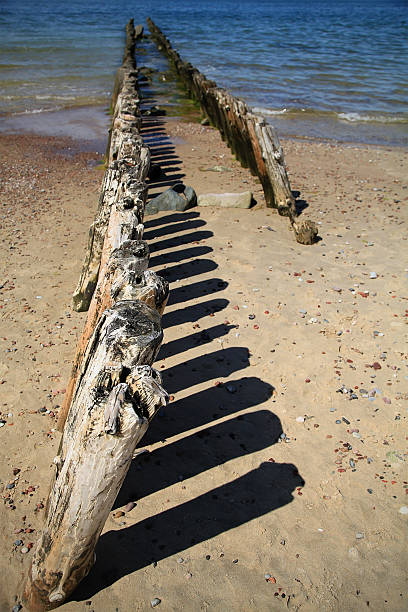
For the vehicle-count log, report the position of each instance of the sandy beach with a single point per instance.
(276, 477)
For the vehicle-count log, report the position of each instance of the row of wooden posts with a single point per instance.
(253, 141)
(113, 392)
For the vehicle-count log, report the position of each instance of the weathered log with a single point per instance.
(126, 278)
(116, 397)
(253, 141)
(128, 165)
(305, 231)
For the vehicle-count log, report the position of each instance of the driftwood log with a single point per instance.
(116, 396)
(113, 392)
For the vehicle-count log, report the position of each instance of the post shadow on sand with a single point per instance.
(171, 218)
(177, 256)
(163, 153)
(174, 228)
(199, 452)
(180, 345)
(259, 492)
(206, 406)
(221, 363)
(194, 312)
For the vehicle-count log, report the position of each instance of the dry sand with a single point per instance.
(259, 466)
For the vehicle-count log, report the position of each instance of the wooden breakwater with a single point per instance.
(254, 142)
(114, 392)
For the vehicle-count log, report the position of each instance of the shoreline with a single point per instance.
(260, 335)
(94, 121)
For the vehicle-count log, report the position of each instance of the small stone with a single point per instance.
(300, 419)
(267, 576)
(10, 485)
(155, 602)
(359, 536)
(356, 434)
(208, 557)
(338, 421)
(118, 514)
(373, 274)
(18, 542)
(24, 550)
(129, 506)
(16, 608)
(403, 510)
(352, 463)
(180, 560)
(345, 420)
(235, 561)
(282, 436)
(226, 200)
(16, 471)
(370, 491)
(231, 388)
(251, 317)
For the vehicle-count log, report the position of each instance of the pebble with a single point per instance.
(373, 274)
(129, 506)
(267, 576)
(231, 388)
(300, 419)
(403, 510)
(24, 550)
(251, 317)
(118, 514)
(356, 434)
(155, 602)
(359, 536)
(18, 542)
(180, 560)
(16, 608)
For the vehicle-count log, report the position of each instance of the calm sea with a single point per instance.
(334, 69)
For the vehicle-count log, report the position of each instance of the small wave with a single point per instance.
(269, 111)
(53, 97)
(357, 118)
(35, 111)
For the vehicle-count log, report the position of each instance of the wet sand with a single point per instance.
(266, 484)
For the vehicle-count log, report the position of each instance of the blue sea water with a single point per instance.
(334, 69)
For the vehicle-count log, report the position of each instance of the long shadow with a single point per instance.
(173, 229)
(171, 218)
(196, 290)
(188, 269)
(198, 370)
(192, 340)
(199, 452)
(208, 405)
(192, 313)
(176, 241)
(259, 492)
(177, 256)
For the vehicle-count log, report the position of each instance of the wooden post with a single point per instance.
(116, 397)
